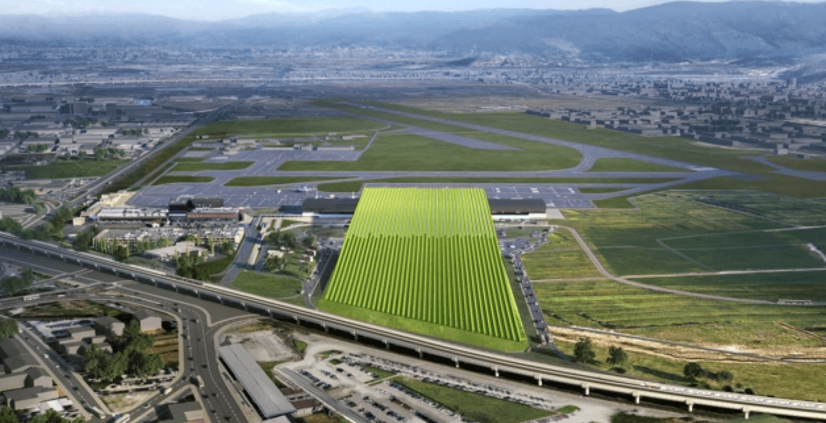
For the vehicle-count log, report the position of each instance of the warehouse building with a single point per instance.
(268, 400)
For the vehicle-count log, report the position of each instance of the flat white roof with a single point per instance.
(266, 396)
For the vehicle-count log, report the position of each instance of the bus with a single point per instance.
(98, 412)
(122, 419)
(31, 297)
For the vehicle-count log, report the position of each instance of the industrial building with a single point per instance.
(268, 400)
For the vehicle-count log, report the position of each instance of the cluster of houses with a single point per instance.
(24, 384)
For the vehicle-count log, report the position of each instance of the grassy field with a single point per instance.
(674, 148)
(355, 186)
(784, 380)
(476, 407)
(293, 127)
(61, 169)
(197, 167)
(267, 285)
(612, 305)
(432, 257)
(267, 128)
(765, 286)
(189, 159)
(406, 152)
(183, 180)
(167, 345)
(631, 165)
(257, 181)
(626, 242)
(806, 165)
(561, 258)
(600, 190)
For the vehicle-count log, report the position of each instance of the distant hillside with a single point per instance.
(758, 32)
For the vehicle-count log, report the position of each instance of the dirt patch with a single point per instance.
(263, 346)
(124, 402)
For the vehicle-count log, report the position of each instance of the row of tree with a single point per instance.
(584, 353)
(38, 148)
(618, 358)
(131, 356)
(695, 371)
(17, 195)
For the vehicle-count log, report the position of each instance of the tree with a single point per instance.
(724, 376)
(81, 155)
(143, 364)
(7, 415)
(616, 356)
(583, 351)
(95, 363)
(273, 263)
(8, 328)
(693, 371)
(121, 252)
(309, 240)
(227, 247)
(39, 207)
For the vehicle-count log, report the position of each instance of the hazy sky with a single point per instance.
(227, 9)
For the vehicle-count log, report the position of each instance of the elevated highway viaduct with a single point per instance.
(424, 346)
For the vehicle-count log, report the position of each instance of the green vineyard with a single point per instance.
(429, 256)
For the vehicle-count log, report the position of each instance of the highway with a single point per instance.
(459, 354)
(197, 356)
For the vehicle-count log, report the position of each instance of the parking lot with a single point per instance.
(348, 376)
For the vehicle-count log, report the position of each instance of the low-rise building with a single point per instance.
(147, 320)
(26, 398)
(109, 326)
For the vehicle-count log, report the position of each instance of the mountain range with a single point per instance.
(758, 32)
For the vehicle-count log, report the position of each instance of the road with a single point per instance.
(585, 379)
(243, 252)
(198, 338)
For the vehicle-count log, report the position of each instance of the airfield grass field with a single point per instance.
(355, 186)
(809, 285)
(600, 190)
(630, 165)
(198, 167)
(264, 128)
(426, 260)
(62, 169)
(289, 127)
(653, 239)
(183, 180)
(806, 165)
(674, 148)
(407, 152)
(257, 181)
